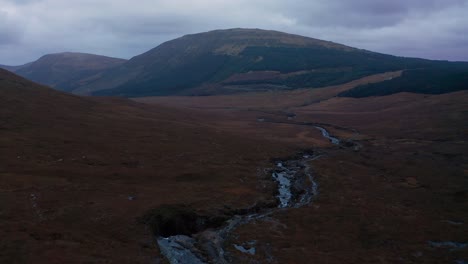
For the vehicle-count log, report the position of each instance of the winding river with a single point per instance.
(296, 188)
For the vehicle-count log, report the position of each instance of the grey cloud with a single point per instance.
(363, 13)
(124, 28)
(23, 2)
(143, 25)
(10, 33)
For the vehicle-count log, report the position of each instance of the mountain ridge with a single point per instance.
(65, 70)
(244, 60)
(238, 60)
(221, 43)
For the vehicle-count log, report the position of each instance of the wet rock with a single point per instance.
(452, 245)
(211, 242)
(243, 249)
(179, 249)
(187, 236)
(327, 135)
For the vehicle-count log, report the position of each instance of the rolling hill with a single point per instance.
(69, 164)
(65, 71)
(245, 60)
(236, 61)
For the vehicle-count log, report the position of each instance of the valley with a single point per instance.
(81, 178)
(386, 196)
(229, 152)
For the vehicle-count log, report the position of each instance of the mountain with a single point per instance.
(235, 60)
(244, 60)
(65, 71)
(241, 60)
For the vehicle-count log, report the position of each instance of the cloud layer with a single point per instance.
(435, 29)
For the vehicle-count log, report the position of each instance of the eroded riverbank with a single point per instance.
(296, 187)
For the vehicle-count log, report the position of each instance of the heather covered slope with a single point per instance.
(239, 60)
(69, 165)
(65, 71)
(397, 196)
(78, 173)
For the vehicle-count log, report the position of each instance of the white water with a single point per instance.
(250, 250)
(177, 249)
(284, 185)
(327, 135)
(448, 244)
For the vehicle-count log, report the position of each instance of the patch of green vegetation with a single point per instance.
(170, 80)
(322, 67)
(438, 79)
(292, 59)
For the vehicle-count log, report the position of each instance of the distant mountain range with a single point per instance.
(241, 60)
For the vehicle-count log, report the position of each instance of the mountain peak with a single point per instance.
(78, 59)
(212, 57)
(223, 39)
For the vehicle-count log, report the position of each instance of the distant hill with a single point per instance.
(65, 71)
(14, 68)
(243, 60)
(238, 61)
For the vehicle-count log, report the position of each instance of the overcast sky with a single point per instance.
(435, 29)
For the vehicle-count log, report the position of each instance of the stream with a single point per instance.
(327, 135)
(296, 188)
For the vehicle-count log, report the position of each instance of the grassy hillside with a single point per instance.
(80, 173)
(213, 58)
(238, 61)
(244, 60)
(438, 78)
(65, 71)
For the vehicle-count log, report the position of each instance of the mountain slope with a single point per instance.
(191, 60)
(238, 61)
(14, 68)
(65, 71)
(69, 164)
(242, 60)
(438, 78)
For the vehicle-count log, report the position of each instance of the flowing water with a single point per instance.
(327, 135)
(296, 188)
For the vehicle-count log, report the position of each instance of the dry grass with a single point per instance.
(70, 164)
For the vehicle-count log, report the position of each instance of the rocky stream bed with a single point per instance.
(201, 240)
